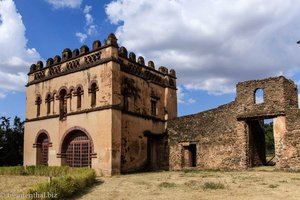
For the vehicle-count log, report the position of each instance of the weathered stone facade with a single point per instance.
(101, 108)
(231, 136)
(106, 109)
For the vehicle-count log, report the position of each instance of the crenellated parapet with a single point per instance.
(84, 57)
(70, 61)
(137, 67)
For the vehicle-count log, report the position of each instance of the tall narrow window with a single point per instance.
(93, 92)
(259, 96)
(38, 106)
(70, 96)
(62, 104)
(125, 102)
(48, 103)
(153, 107)
(78, 93)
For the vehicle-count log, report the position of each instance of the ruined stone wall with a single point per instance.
(289, 150)
(231, 136)
(215, 134)
(278, 94)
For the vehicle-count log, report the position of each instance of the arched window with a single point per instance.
(38, 103)
(79, 93)
(42, 145)
(77, 149)
(93, 91)
(48, 103)
(62, 104)
(258, 96)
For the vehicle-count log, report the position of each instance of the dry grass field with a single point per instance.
(261, 183)
(18, 184)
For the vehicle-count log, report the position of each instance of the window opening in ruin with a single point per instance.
(62, 104)
(38, 106)
(261, 143)
(153, 107)
(93, 94)
(259, 96)
(79, 97)
(77, 150)
(48, 103)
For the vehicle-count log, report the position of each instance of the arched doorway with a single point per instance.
(77, 149)
(42, 144)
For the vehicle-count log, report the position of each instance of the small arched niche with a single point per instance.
(259, 96)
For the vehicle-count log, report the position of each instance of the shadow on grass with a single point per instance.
(87, 190)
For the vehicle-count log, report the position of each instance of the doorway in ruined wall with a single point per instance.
(189, 156)
(261, 148)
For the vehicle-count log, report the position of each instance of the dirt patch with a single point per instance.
(261, 184)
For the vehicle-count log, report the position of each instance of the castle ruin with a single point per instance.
(108, 110)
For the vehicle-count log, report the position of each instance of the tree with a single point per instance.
(269, 138)
(11, 141)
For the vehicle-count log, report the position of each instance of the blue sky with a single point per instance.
(211, 44)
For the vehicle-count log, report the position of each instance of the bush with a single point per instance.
(66, 180)
(17, 170)
(64, 186)
(213, 186)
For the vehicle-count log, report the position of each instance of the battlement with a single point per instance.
(84, 58)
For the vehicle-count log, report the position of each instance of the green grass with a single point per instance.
(213, 186)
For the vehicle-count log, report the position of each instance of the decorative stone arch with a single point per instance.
(71, 89)
(92, 83)
(42, 144)
(79, 86)
(38, 135)
(62, 88)
(66, 143)
(54, 93)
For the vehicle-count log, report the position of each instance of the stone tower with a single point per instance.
(101, 108)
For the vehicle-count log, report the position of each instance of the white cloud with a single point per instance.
(212, 44)
(15, 57)
(90, 27)
(182, 95)
(2, 95)
(81, 36)
(65, 3)
(191, 101)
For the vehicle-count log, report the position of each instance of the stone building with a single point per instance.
(232, 136)
(101, 108)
